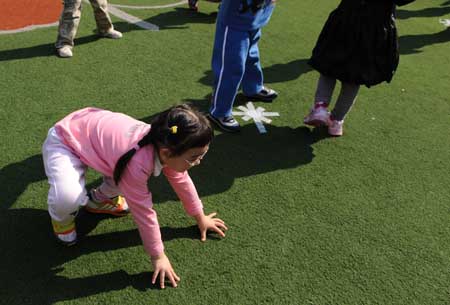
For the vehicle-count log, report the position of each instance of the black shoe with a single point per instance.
(265, 95)
(228, 123)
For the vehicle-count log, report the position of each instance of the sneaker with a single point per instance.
(335, 127)
(111, 33)
(193, 5)
(265, 95)
(65, 52)
(228, 123)
(65, 233)
(100, 204)
(318, 116)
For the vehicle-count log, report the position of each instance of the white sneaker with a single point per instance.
(318, 116)
(111, 33)
(65, 52)
(68, 239)
(335, 127)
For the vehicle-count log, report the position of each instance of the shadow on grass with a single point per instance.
(234, 156)
(423, 13)
(277, 73)
(41, 50)
(31, 260)
(178, 18)
(411, 44)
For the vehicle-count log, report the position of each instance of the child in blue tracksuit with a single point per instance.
(235, 58)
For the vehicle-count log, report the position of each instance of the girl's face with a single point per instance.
(188, 159)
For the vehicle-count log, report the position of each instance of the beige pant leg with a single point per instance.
(68, 23)
(101, 15)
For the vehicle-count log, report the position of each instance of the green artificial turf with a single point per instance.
(362, 219)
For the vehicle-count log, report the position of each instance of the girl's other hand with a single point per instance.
(163, 268)
(208, 222)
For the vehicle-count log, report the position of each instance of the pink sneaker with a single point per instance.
(335, 127)
(318, 116)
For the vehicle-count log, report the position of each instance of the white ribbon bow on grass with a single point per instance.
(257, 114)
(445, 22)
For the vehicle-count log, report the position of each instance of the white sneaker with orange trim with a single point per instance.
(65, 232)
(100, 204)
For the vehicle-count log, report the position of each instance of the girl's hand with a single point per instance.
(163, 268)
(208, 222)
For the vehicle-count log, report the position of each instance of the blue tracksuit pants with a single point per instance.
(235, 60)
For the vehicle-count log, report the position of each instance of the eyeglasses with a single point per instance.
(196, 161)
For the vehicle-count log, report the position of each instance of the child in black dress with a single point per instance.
(357, 46)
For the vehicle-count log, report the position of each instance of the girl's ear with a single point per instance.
(164, 154)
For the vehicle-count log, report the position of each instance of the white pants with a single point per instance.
(65, 173)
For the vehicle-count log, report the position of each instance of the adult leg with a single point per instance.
(102, 18)
(68, 23)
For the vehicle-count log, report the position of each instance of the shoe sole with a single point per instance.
(118, 214)
(218, 124)
(63, 56)
(65, 243)
(260, 98)
(335, 135)
(316, 123)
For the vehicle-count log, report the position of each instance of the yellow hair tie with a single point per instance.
(173, 129)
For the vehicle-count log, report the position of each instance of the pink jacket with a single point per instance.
(99, 138)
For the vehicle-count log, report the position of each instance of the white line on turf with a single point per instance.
(28, 28)
(138, 7)
(113, 9)
(132, 19)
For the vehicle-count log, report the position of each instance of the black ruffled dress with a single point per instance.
(359, 42)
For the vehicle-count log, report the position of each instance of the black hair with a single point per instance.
(179, 129)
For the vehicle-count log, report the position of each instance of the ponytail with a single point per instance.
(179, 129)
